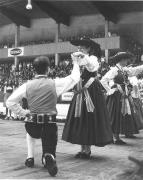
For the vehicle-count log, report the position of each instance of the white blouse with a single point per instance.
(135, 93)
(113, 72)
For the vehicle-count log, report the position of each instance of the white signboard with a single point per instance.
(67, 96)
(17, 51)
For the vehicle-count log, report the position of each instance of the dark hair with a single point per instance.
(41, 64)
(96, 51)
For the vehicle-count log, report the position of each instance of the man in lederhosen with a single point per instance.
(41, 94)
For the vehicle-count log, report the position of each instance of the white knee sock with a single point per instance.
(30, 145)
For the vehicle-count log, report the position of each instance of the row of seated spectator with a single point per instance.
(133, 46)
(25, 71)
(61, 39)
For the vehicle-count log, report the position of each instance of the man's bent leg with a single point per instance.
(33, 132)
(49, 142)
(30, 146)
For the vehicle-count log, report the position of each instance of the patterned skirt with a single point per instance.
(121, 124)
(91, 128)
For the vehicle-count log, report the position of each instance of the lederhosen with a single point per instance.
(43, 125)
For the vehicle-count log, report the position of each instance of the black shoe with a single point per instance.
(119, 142)
(50, 164)
(29, 162)
(130, 136)
(78, 155)
(86, 155)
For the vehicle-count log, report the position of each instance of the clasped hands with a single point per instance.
(79, 58)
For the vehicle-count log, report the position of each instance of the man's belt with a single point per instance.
(41, 118)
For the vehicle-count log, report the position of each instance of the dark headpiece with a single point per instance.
(121, 55)
(88, 43)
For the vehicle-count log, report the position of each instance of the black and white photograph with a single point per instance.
(71, 90)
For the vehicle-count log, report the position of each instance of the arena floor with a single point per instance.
(108, 163)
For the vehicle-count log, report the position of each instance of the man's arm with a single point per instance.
(67, 83)
(13, 101)
(134, 71)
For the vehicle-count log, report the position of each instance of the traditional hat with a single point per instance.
(121, 55)
(87, 42)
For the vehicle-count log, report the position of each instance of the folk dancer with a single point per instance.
(87, 121)
(41, 94)
(119, 101)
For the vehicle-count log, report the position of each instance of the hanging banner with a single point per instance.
(17, 51)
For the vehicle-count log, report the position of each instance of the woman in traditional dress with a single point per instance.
(87, 120)
(135, 93)
(119, 101)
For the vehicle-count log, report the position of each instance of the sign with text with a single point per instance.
(17, 51)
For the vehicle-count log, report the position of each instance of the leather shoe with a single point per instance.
(83, 155)
(86, 155)
(130, 136)
(50, 164)
(78, 155)
(119, 142)
(29, 162)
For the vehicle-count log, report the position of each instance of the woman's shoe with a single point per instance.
(85, 155)
(130, 136)
(6, 118)
(119, 142)
(29, 162)
(78, 155)
(11, 118)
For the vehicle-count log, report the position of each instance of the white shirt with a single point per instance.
(62, 85)
(113, 72)
(135, 90)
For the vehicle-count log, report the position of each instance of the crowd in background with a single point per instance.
(26, 72)
(91, 35)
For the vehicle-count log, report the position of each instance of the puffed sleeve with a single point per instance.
(92, 63)
(134, 71)
(109, 76)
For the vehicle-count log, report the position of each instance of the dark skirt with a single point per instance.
(121, 124)
(139, 112)
(91, 128)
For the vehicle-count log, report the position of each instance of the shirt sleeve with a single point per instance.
(134, 71)
(92, 63)
(110, 75)
(67, 83)
(13, 102)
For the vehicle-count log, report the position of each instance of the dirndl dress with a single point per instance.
(90, 128)
(121, 107)
(139, 112)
